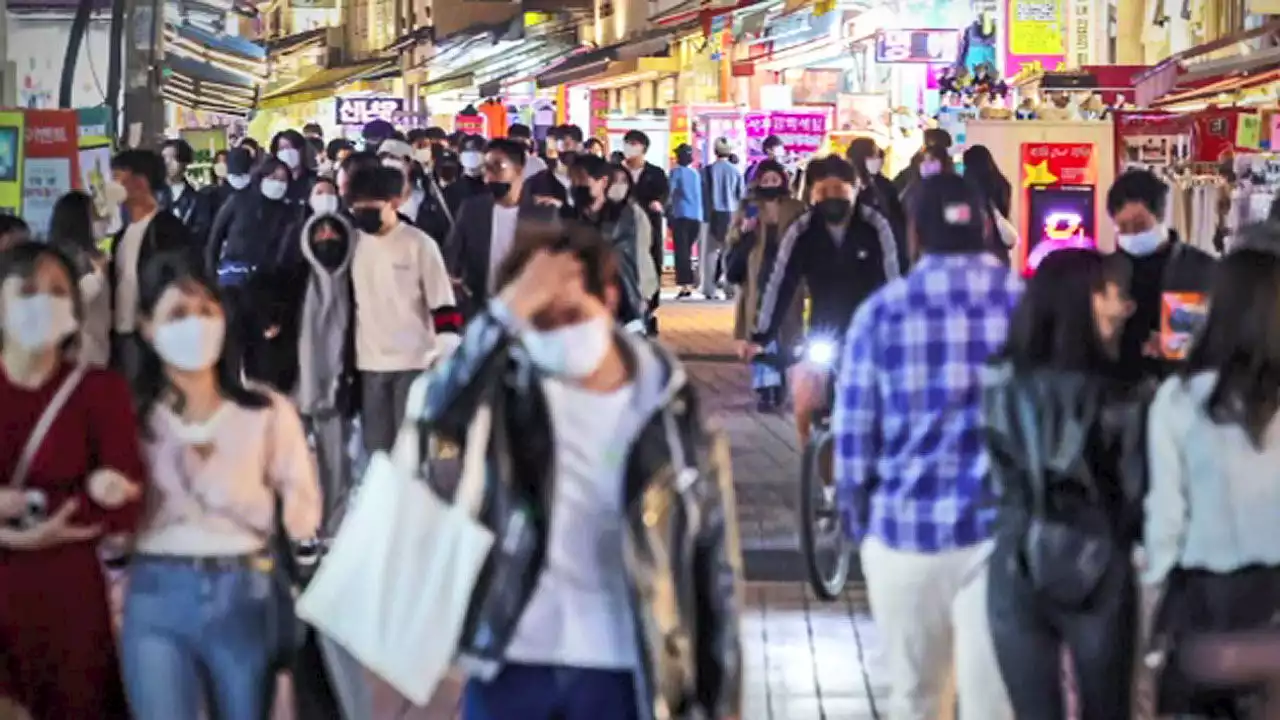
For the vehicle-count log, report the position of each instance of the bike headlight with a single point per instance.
(821, 352)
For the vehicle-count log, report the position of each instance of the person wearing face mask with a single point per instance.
(1064, 438)
(180, 198)
(933, 160)
(551, 186)
(353, 163)
(68, 481)
(292, 149)
(253, 148)
(237, 174)
(867, 159)
(934, 139)
(650, 190)
(686, 217)
(619, 223)
(908, 433)
(486, 224)
(773, 149)
(752, 247)
(423, 205)
(223, 456)
(138, 175)
(594, 146)
(842, 250)
(249, 231)
(1163, 265)
(619, 193)
(606, 411)
(406, 314)
(533, 164)
(471, 183)
(446, 171)
(72, 231)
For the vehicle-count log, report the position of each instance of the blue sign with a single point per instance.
(365, 109)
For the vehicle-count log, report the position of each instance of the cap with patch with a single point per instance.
(948, 214)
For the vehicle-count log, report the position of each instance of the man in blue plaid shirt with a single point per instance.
(910, 463)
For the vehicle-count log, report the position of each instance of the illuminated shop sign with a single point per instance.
(364, 110)
(917, 46)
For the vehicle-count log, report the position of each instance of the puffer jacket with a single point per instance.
(680, 542)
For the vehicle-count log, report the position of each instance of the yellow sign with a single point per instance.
(1035, 27)
(11, 160)
(822, 7)
(1249, 132)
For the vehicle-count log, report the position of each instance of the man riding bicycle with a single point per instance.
(844, 250)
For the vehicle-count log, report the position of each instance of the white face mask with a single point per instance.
(238, 182)
(874, 165)
(616, 193)
(220, 170)
(1143, 243)
(290, 157)
(778, 153)
(324, 168)
(572, 351)
(114, 193)
(929, 169)
(38, 322)
(564, 145)
(423, 156)
(273, 189)
(470, 159)
(633, 151)
(190, 344)
(324, 204)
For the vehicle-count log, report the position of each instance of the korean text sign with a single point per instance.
(51, 144)
(364, 110)
(802, 132)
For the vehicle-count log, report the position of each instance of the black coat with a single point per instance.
(165, 234)
(466, 253)
(252, 230)
(193, 208)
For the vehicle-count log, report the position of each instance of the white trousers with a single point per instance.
(931, 612)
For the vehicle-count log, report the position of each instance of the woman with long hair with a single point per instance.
(868, 162)
(1063, 438)
(74, 232)
(752, 246)
(985, 179)
(1213, 508)
(71, 471)
(202, 602)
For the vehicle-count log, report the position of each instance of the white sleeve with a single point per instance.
(292, 471)
(437, 288)
(1166, 502)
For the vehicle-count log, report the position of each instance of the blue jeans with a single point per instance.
(197, 638)
(543, 692)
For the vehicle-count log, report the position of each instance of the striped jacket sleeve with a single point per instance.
(784, 278)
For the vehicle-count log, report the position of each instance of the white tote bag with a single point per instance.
(396, 585)
(1005, 229)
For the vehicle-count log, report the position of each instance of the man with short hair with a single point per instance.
(533, 164)
(406, 315)
(551, 186)
(147, 233)
(179, 196)
(486, 224)
(613, 593)
(723, 192)
(650, 190)
(910, 463)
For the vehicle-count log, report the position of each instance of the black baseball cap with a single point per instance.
(949, 217)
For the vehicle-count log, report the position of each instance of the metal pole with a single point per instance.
(144, 122)
(8, 71)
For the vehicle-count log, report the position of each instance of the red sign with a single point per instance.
(469, 124)
(599, 119)
(50, 163)
(1058, 164)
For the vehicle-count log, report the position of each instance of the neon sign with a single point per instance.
(1061, 230)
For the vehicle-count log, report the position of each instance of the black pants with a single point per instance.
(685, 232)
(1029, 634)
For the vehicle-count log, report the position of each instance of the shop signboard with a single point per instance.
(11, 157)
(95, 146)
(803, 132)
(679, 125)
(1060, 181)
(469, 124)
(599, 127)
(1036, 38)
(360, 110)
(917, 46)
(50, 165)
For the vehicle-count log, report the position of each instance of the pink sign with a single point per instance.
(1034, 37)
(802, 131)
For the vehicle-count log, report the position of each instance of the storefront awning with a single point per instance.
(1214, 91)
(1193, 69)
(236, 56)
(516, 61)
(649, 46)
(614, 73)
(323, 83)
(201, 86)
(298, 41)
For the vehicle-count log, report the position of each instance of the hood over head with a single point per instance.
(305, 239)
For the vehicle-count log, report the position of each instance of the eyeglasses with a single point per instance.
(496, 168)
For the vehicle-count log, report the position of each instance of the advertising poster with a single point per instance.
(1150, 139)
(95, 143)
(470, 124)
(1060, 182)
(599, 127)
(802, 132)
(206, 142)
(756, 125)
(1035, 38)
(51, 165)
(11, 156)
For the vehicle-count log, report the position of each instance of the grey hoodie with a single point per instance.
(325, 321)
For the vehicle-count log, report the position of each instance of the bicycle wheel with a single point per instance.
(827, 553)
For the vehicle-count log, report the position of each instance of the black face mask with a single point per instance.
(566, 159)
(329, 253)
(834, 210)
(582, 197)
(448, 173)
(367, 219)
(499, 190)
(771, 193)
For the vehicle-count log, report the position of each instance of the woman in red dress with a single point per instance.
(57, 650)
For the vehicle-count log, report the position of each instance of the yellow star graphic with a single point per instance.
(1037, 174)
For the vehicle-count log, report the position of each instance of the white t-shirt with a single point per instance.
(580, 612)
(130, 250)
(533, 165)
(399, 279)
(503, 237)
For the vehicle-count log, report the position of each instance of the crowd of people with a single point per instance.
(189, 385)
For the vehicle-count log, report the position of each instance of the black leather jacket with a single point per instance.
(681, 553)
(1044, 425)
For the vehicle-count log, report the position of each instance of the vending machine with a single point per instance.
(1060, 185)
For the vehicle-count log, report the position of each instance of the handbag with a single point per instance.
(395, 588)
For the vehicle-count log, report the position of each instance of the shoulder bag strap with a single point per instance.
(50, 414)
